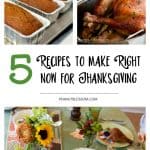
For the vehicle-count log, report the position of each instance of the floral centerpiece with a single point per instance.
(36, 131)
(89, 128)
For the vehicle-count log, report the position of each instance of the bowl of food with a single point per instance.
(110, 21)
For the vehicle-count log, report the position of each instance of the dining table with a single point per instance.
(68, 126)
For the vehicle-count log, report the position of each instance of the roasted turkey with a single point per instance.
(128, 16)
(102, 6)
(117, 136)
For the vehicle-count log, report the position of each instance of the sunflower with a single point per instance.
(44, 134)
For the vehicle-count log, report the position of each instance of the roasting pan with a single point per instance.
(87, 6)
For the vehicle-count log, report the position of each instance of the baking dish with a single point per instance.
(18, 38)
(68, 4)
(50, 16)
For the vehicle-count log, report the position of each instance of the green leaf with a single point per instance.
(37, 117)
(87, 116)
(79, 124)
(37, 112)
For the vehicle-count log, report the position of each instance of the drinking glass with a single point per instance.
(95, 112)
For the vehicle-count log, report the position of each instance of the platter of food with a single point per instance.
(115, 135)
(111, 21)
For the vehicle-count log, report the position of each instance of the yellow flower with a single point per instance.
(44, 134)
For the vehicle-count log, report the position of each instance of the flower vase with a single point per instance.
(89, 140)
(34, 146)
(39, 147)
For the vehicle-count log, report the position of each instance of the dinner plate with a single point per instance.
(123, 129)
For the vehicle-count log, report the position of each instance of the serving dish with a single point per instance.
(34, 38)
(87, 6)
(50, 16)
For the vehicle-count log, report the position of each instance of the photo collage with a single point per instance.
(75, 74)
